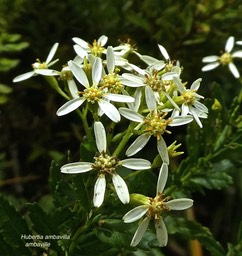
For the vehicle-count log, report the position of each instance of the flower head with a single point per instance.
(225, 59)
(155, 123)
(93, 93)
(41, 68)
(191, 100)
(156, 208)
(106, 164)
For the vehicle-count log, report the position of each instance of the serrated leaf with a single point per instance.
(212, 180)
(42, 223)
(193, 230)
(12, 227)
(112, 238)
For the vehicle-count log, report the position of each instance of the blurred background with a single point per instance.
(31, 134)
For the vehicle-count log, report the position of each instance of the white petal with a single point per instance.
(161, 232)
(169, 75)
(136, 163)
(180, 204)
(110, 59)
(119, 97)
(136, 213)
(137, 95)
(24, 76)
(181, 120)
(162, 149)
(77, 167)
(164, 52)
(229, 44)
(100, 136)
(133, 78)
(52, 53)
(195, 115)
(99, 191)
(210, 66)
(97, 71)
(78, 73)
(172, 101)
(81, 42)
(149, 60)
(131, 115)
(52, 62)
(185, 109)
(47, 72)
(239, 42)
(201, 107)
(110, 110)
(69, 106)
(196, 84)
(72, 88)
(150, 98)
(234, 70)
(102, 40)
(237, 54)
(140, 231)
(211, 58)
(138, 144)
(179, 85)
(121, 188)
(157, 66)
(80, 51)
(131, 83)
(138, 70)
(161, 182)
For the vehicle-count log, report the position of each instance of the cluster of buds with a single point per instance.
(103, 85)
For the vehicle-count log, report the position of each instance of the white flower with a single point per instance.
(154, 208)
(41, 68)
(225, 59)
(105, 164)
(190, 98)
(83, 48)
(93, 94)
(155, 123)
(153, 82)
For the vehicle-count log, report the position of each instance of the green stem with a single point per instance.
(83, 116)
(125, 139)
(54, 84)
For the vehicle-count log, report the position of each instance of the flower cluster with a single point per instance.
(225, 59)
(147, 100)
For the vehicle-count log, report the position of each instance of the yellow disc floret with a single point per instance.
(93, 94)
(96, 48)
(105, 163)
(155, 124)
(154, 81)
(225, 58)
(157, 206)
(112, 83)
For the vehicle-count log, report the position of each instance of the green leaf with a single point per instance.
(192, 230)
(112, 238)
(12, 227)
(43, 224)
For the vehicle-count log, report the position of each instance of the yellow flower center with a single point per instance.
(105, 163)
(225, 58)
(156, 124)
(157, 206)
(92, 94)
(112, 83)
(154, 81)
(96, 48)
(39, 65)
(189, 97)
